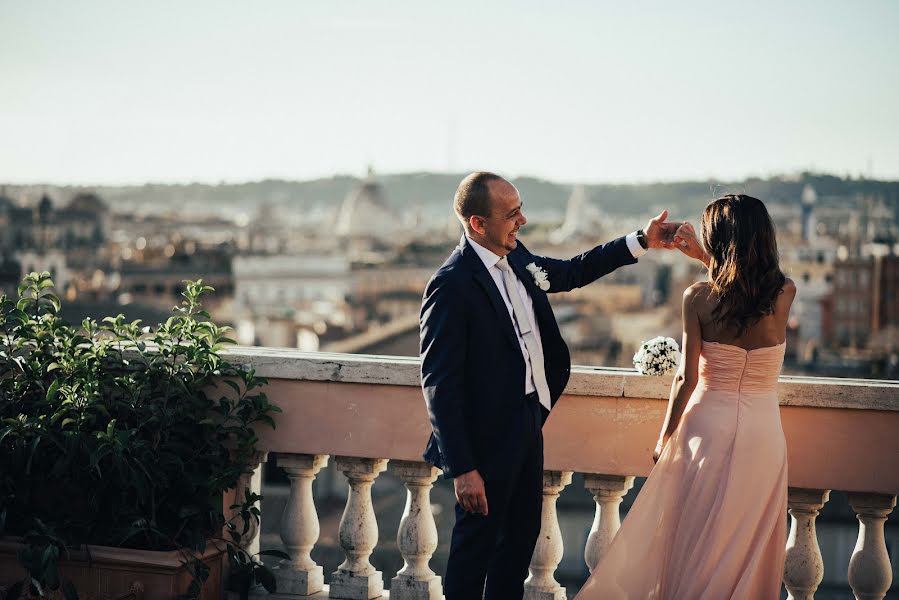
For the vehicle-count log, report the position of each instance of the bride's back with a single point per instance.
(770, 330)
(746, 301)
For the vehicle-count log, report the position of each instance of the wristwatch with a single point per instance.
(641, 237)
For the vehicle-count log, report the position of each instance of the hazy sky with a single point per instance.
(127, 92)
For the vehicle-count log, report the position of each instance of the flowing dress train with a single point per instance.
(710, 521)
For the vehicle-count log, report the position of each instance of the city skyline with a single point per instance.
(104, 94)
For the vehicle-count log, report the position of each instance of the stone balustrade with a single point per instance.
(541, 584)
(365, 414)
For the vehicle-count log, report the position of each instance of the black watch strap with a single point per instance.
(641, 237)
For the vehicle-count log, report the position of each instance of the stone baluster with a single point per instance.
(803, 568)
(299, 526)
(870, 573)
(608, 490)
(541, 584)
(356, 578)
(251, 480)
(417, 535)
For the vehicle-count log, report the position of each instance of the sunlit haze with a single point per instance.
(104, 92)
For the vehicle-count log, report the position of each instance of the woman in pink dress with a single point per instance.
(710, 521)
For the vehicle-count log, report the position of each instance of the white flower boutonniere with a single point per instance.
(539, 275)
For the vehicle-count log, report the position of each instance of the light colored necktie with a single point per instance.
(526, 332)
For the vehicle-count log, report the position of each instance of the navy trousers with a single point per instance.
(489, 555)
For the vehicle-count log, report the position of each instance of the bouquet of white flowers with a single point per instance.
(657, 356)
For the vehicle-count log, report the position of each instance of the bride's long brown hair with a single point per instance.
(744, 269)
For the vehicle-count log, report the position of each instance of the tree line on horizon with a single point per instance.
(433, 192)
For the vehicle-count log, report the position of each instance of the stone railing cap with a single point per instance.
(823, 392)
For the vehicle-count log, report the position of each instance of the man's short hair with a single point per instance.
(473, 196)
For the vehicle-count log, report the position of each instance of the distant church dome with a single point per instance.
(365, 212)
(88, 202)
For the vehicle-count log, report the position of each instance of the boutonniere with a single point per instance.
(539, 275)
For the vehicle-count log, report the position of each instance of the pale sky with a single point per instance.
(105, 92)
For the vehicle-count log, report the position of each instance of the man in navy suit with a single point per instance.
(492, 364)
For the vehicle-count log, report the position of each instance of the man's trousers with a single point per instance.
(496, 549)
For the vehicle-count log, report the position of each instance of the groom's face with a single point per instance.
(501, 227)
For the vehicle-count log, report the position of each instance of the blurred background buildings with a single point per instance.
(340, 264)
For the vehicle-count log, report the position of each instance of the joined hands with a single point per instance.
(660, 234)
(675, 234)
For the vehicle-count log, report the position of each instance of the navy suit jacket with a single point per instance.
(472, 368)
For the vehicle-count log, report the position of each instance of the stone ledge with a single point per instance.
(820, 392)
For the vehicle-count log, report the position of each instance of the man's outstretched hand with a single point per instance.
(660, 234)
(470, 492)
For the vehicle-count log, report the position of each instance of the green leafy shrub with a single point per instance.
(114, 434)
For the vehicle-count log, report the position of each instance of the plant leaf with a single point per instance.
(266, 578)
(53, 390)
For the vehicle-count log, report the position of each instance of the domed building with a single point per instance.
(88, 203)
(45, 237)
(85, 221)
(365, 213)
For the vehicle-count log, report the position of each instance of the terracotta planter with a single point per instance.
(106, 573)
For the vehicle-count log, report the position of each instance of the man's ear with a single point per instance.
(476, 223)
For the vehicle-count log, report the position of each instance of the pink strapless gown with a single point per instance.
(710, 521)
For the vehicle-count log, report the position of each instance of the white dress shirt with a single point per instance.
(490, 259)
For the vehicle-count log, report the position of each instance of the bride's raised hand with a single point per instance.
(686, 240)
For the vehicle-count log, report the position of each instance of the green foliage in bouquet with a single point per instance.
(114, 434)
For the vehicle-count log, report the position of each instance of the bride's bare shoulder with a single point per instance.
(698, 295)
(698, 290)
(788, 292)
(789, 289)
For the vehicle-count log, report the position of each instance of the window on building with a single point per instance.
(842, 277)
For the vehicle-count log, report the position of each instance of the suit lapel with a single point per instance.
(542, 309)
(483, 278)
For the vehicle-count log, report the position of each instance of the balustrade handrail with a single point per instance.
(822, 392)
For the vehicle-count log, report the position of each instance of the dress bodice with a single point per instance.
(731, 368)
